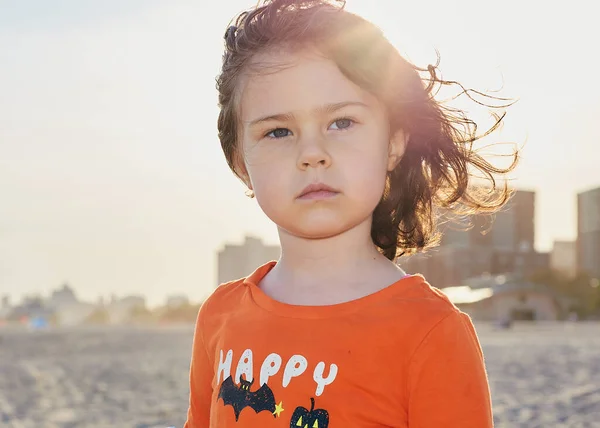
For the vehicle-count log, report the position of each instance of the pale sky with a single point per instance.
(111, 174)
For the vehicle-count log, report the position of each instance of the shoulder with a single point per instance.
(426, 310)
(223, 297)
(228, 298)
(444, 322)
(426, 302)
(446, 374)
(212, 311)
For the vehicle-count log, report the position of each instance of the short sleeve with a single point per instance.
(448, 385)
(201, 375)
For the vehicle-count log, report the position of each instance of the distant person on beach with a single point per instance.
(346, 150)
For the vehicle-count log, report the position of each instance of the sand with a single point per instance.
(544, 375)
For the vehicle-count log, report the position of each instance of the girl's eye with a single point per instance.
(342, 123)
(279, 133)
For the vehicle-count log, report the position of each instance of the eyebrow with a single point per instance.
(327, 108)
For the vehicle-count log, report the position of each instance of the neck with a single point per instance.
(340, 258)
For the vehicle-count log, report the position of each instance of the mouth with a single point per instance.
(318, 191)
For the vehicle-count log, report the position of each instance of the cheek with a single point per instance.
(261, 165)
(367, 171)
(268, 182)
(370, 183)
(272, 192)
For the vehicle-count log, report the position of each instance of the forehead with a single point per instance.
(282, 82)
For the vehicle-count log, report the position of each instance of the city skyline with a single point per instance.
(225, 267)
(111, 172)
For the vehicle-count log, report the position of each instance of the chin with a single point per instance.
(317, 229)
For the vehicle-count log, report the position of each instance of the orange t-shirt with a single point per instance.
(401, 357)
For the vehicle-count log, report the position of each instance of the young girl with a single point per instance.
(349, 154)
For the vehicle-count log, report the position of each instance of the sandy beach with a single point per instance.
(544, 375)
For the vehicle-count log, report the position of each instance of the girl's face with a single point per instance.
(305, 124)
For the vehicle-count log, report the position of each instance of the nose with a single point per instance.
(313, 153)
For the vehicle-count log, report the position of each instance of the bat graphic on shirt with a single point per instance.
(240, 397)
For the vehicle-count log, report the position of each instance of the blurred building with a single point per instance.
(497, 298)
(63, 308)
(563, 258)
(67, 308)
(121, 310)
(237, 261)
(31, 308)
(512, 229)
(176, 301)
(5, 309)
(64, 296)
(588, 232)
(74, 314)
(484, 244)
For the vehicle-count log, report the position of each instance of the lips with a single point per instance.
(318, 191)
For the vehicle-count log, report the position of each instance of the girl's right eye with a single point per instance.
(279, 133)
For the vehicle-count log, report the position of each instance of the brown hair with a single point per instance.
(437, 169)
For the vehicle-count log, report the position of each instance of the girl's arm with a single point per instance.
(201, 375)
(448, 385)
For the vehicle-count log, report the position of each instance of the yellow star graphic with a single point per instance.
(278, 409)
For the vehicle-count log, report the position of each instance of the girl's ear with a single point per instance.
(397, 147)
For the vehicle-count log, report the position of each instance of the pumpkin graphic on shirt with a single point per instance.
(313, 418)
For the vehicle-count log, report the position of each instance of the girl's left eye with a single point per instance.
(343, 123)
